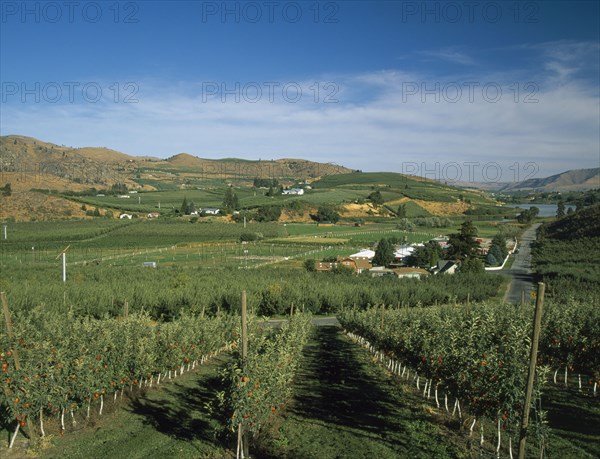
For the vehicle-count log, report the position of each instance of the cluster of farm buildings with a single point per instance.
(362, 261)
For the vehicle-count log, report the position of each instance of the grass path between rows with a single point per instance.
(347, 407)
(344, 407)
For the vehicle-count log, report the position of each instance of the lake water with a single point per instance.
(546, 210)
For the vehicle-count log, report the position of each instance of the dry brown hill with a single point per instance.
(573, 180)
(38, 162)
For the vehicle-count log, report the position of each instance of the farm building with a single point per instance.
(403, 251)
(210, 211)
(414, 273)
(380, 271)
(294, 191)
(445, 267)
(366, 254)
(357, 265)
(401, 273)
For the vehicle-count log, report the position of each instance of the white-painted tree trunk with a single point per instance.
(499, 439)
(481, 430)
(14, 436)
(43, 432)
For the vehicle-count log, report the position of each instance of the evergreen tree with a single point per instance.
(384, 253)
(426, 256)
(463, 245)
(230, 202)
(499, 241)
(401, 211)
(560, 209)
(472, 265)
(491, 260)
(184, 206)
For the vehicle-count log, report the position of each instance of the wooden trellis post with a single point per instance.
(537, 325)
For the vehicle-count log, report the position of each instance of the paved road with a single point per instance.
(520, 271)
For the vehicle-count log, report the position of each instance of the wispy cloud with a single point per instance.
(452, 55)
(565, 59)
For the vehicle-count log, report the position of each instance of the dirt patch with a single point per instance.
(288, 216)
(24, 182)
(30, 205)
(398, 201)
(359, 210)
(443, 209)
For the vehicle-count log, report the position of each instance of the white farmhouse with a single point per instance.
(294, 191)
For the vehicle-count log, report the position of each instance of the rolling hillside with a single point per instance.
(573, 180)
(35, 160)
(77, 177)
(420, 196)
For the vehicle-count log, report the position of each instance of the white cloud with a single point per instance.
(452, 55)
(378, 123)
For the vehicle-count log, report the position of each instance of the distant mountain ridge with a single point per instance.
(572, 180)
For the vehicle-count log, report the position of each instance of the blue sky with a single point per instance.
(455, 90)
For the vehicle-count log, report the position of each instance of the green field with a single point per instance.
(201, 269)
(332, 190)
(395, 186)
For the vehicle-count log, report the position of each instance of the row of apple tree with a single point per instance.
(99, 290)
(479, 353)
(66, 366)
(258, 387)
